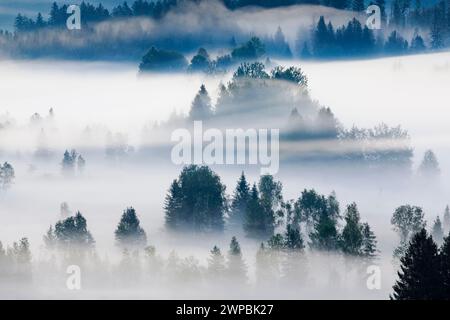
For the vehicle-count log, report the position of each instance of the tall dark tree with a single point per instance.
(445, 267)
(129, 233)
(419, 277)
(257, 224)
(196, 201)
(352, 235)
(369, 243)
(241, 197)
(72, 233)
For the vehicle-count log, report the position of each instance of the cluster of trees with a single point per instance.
(408, 220)
(356, 40)
(165, 60)
(92, 14)
(7, 175)
(71, 161)
(196, 201)
(425, 270)
(15, 262)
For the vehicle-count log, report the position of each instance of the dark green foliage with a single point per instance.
(239, 202)
(251, 50)
(258, 224)
(200, 62)
(291, 74)
(260, 218)
(352, 235)
(162, 60)
(196, 201)
(396, 44)
(70, 233)
(129, 232)
(419, 276)
(369, 243)
(445, 267)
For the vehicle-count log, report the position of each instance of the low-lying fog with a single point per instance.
(412, 91)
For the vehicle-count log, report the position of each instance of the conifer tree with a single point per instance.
(352, 235)
(240, 201)
(129, 233)
(446, 222)
(237, 269)
(429, 167)
(201, 107)
(437, 233)
(419, 276)
(445, 267)
(369, 243)
(216, 264)
(257, 224)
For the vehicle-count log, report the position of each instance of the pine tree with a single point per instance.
(419, 276)
(352, 236)
(369, 243)
(216, 264)
(257, 224)
(445, 267)
(267, 269)
(201, 107)
(237, 269)
(437, 233)
(447, 220)
(240, 201)
(196, 201)
(7, 176)
(73, 233)
(129, 233)
(429, 167)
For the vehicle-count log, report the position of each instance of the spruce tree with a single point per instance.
(419, 276)
(445, 267)
(446, 222)
(437, 233)
(129, 233)
(369, 242)
(237, 269)
(201, 107)
(216, 264)
(352, 235)
(257, 224)
(429, 167)
(240, 201)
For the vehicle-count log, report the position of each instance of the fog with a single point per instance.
(111, 98)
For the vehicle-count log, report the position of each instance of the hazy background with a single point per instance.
(411, 91)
